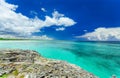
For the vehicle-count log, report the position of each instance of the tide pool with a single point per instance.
(99, 58)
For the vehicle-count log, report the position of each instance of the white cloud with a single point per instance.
(33, 13)
(43, 9)
(58, 20)
(103, 34)
(43, 37)
(60, 29)
(20, 25)
(8, 36)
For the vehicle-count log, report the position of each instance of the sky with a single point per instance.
(94, 20)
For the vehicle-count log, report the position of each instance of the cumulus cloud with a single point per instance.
(9, 36)
(20, 25)
(103, 34)
(60, 29)
(58, 20)
(43, 37)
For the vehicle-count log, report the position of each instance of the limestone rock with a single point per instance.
(30, 64)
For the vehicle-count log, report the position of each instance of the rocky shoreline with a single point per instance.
(30, 64)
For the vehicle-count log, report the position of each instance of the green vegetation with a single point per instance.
(16, 39)
(12, 39)
(15, 72)
(9, 39)
(3, 76)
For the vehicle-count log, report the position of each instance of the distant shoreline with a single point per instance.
(19, 39)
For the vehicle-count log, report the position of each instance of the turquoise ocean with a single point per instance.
(99, 58)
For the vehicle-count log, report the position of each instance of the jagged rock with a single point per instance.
(30, 64)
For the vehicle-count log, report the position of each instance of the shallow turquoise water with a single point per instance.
(100, 58)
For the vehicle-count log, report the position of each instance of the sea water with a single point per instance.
(99, 58)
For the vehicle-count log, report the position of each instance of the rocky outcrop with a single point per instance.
(29, 64)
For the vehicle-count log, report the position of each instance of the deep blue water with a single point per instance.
(99, 58)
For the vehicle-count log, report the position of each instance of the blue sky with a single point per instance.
(74, 19)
